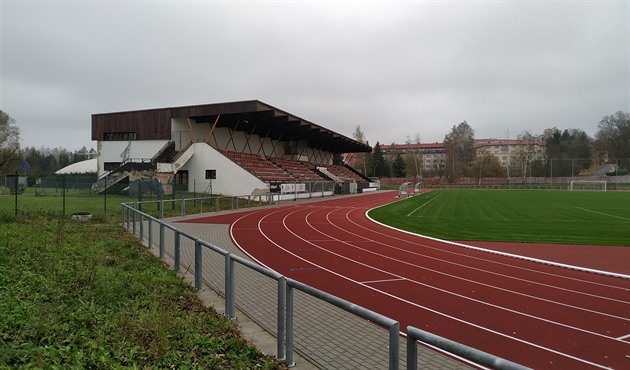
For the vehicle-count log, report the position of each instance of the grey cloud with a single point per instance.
(396, 69)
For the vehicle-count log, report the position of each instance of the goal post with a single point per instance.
(585, 185)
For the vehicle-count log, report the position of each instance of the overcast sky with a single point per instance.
(397, 69)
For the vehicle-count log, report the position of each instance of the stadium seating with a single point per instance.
(276, 169)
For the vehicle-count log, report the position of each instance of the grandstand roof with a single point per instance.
(252, 116)
(87, 166)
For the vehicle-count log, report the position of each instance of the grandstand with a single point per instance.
(229, 148)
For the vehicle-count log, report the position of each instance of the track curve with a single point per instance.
(539, 315)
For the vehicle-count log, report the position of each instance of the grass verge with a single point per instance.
(77, 295)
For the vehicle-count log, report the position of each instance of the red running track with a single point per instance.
(538, 315)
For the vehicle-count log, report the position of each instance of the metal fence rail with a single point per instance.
(469, 353)
(181, 242)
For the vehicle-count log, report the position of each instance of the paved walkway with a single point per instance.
(325, 336)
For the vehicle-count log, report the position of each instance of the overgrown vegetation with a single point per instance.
(88, 295)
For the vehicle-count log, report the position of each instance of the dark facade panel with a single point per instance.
(215, 109)
(152, 124)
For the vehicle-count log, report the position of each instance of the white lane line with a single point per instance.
(481, 259)
(545, 262)
(604, 214)
(454, 293)
(399, 261)
(427, 308)
(624, 337)
(430, 200)
(382, 281)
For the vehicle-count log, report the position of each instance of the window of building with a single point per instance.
(119, 136)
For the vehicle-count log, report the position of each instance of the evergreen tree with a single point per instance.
(379, 165)
(399, 166)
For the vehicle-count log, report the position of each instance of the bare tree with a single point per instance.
(460, 149)
(9, 140)
(359, 136)
(613, 135)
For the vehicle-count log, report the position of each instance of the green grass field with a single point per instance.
(597, 218)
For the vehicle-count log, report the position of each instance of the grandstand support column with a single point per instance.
(192, 131)
(211, 133)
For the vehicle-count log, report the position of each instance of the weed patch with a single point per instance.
(89, 295)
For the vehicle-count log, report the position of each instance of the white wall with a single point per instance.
(231, 178)
(113, 151)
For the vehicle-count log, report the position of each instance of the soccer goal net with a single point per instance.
(587, 185)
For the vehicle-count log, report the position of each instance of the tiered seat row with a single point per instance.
(260, 167)
(344, 172)
(302, 171)
(275, 169)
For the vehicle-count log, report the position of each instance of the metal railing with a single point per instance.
(463, 351)
(133, 219)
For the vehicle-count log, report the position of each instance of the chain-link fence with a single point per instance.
(556, 174)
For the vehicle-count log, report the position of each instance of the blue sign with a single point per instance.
(24, 165)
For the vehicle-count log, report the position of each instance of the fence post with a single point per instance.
(176, 257)
(289, 326)
(135, 218)
(230, 285)
(412, 353)
(218, 205)
(282, 294)
(198, 266)
(161, 241)
(394, 346)
(182, 207)
(161, 209)
(141, 225)
(150, 232)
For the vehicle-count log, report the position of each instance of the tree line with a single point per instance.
(568, 152)
(36, 162)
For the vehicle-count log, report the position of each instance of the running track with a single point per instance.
(538, 315)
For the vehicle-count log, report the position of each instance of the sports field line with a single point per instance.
(410, 213)
(602, 213)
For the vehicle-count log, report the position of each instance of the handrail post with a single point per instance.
(289, 326)
(230, 285)
(394, 346)
(150, 232)
(141, 226)
(161, 241)
(412, 353)
(176, 257)
(282, 294)
(198, 266)
(135, 217)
